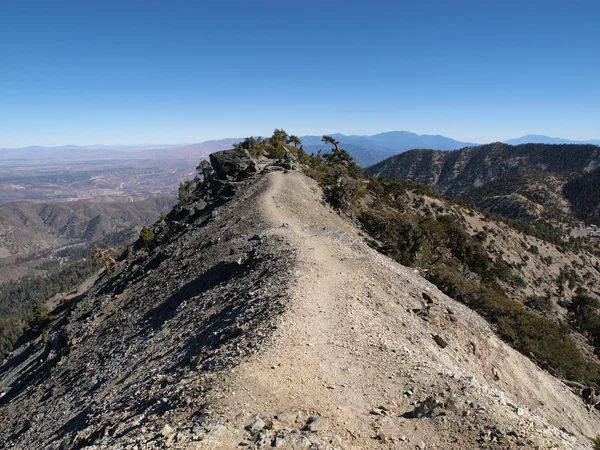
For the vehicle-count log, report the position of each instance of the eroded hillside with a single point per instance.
(456, 172)
(32, 234)
(553, 183)
(263, 319)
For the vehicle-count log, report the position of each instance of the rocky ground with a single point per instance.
(266, 321)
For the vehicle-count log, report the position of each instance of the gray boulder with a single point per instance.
(233, 165)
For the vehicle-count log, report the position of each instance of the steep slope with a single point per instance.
(26, 227)
(455, 173)
(30, 232)
(524, 266)
(584, 195)
(272, 304)
(526, 195)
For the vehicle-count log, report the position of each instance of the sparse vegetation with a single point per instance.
(205, 170)
(583, 193)
(540, 303)
(530, 333)
(458, 263)
(273, 147)
(22, 303)
(584, 316)
(186, 192)
(162, 220)
(147, 237)
(39, 314)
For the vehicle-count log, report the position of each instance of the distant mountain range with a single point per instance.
(366, 150)
(541, 139)
(109, 152)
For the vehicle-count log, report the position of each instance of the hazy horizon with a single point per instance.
(140, 146)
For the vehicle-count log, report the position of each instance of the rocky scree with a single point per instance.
(140, 348)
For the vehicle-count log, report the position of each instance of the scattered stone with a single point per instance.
(481, 407)
(256, 424)
(440, 341)
(274, 168)
(452, 403)
(476, 350)
(430, 407)
(280, 442)
(316, 423)
(379, 411)
(182, 437)
(383, 437)
(287, 417)
(167, 430)
(495, 373)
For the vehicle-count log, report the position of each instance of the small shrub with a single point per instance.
(481, 236)
(147, 237)
(39, 313)
(542, 304)
(186, 192)
(276, 152)
(583, 314)
(341, 188)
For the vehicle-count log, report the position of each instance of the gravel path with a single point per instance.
(351, 348)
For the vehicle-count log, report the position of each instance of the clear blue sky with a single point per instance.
(85, 72)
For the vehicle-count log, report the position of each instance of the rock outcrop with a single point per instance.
(233, 165)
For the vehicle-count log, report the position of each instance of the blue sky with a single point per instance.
(123, 72)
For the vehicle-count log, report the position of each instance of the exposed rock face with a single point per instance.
(233, 165)
(266, 322)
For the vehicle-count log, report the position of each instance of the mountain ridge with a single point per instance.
(229, 328)
(455, 173)
(541, 139)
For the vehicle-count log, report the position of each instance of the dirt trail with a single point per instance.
(350, 342)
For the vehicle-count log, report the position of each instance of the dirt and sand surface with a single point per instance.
(350, 344)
